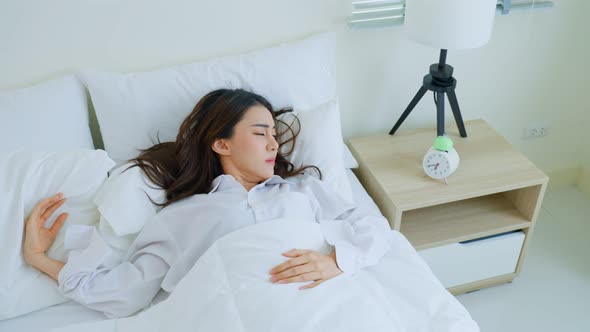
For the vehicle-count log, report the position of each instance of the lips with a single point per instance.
(272, 160)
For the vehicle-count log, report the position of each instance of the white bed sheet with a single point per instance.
(55, 316)
(72, 313)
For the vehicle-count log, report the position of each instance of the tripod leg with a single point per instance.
(409, 109)
(440, 113)
(456, 112)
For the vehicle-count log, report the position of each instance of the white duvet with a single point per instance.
(228, 289)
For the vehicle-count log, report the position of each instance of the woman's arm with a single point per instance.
(360, 236)
(47, 265)
(123, 289)
(87, 277)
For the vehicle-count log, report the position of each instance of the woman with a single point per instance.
(224, 171)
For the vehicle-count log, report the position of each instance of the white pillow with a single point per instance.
(26, 177)
(51, 115)
(133, 108)
(319, 143)
(349, 160)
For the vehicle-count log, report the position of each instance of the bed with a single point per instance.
(399, 294)
(71, 314)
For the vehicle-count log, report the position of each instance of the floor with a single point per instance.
(552, 292)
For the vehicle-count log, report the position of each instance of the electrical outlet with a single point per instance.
(537, 130)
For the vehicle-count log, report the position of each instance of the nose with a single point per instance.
(273, 144)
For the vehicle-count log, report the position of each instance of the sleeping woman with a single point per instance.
(226, 170)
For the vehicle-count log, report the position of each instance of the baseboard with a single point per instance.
(564, 176)
(584, 179)
(577, 176)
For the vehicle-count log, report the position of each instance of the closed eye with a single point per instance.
(259, 134)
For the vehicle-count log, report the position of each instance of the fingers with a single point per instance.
(51, 209)
(296, 252)
(308, 265)
(41, 206)
(59, 222)
(49, 200)
(298, 270)
(301, 278)
(289, 264)
(312, 285)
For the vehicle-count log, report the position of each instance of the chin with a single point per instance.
(269, 174)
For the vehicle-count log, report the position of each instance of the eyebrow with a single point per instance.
(262, 125)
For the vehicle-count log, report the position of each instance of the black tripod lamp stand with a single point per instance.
(446, 24)
(441, 82)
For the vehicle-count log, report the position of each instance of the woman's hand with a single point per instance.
(38, 239)
(305, 265)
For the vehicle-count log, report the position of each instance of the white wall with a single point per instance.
(533, 69)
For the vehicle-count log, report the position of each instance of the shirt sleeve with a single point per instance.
(360, 235)
(123, 289)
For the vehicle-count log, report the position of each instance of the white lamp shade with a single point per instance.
(450, 24)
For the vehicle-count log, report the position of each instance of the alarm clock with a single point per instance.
(441, 160)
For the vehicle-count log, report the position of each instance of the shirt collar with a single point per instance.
(226, 181)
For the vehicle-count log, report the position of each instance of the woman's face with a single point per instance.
(250, 153)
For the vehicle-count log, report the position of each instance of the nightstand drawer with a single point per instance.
(462, 263)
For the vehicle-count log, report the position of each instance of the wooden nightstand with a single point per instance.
(495, 190)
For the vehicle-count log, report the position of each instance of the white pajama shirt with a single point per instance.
(173, 240)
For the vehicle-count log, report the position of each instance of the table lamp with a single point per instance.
(446, 24)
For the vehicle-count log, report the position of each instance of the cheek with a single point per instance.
(250, 147)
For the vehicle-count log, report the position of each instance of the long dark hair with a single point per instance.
(189, 165)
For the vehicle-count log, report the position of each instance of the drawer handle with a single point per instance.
(488, 237)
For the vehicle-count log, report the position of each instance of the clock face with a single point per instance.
(437, 164)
